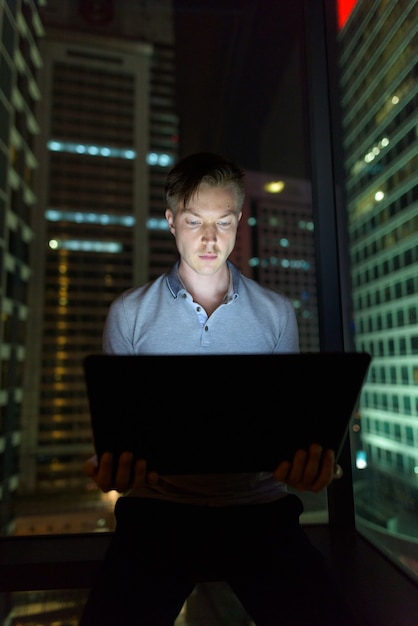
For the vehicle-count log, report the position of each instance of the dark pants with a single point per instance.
(160, 550)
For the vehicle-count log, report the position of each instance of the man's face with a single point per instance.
(206, 229)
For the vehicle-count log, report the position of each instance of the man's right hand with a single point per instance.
(129, 474)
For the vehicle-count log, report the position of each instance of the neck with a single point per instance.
(208, 291)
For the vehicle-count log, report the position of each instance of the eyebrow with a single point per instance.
(197, 214)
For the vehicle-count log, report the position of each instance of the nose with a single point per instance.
(209, 233)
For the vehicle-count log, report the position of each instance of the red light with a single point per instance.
(344, 8)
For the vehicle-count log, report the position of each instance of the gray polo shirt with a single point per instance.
(161, 318)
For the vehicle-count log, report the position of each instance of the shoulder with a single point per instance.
(133, 297)
(263, 294)
(271, 312)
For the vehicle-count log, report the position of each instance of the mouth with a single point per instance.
(208, 256)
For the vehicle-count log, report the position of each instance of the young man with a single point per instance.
(174, 531)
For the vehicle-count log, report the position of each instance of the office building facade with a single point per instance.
(20, 63)
(108, 134)
(378, 60)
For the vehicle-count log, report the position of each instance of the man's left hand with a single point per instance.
(311, 470)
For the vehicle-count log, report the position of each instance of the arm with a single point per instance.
(310, 470)
(118, 332)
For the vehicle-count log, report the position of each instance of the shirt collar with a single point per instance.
(175, 286)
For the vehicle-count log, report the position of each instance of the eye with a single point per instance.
(224, 223)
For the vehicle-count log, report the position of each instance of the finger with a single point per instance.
(291, 472)
(297, 468)
(326, 472)
(313, 466)
(153, 478)
(123, 477)
(282, 471)
(103, 473)
(140, 470)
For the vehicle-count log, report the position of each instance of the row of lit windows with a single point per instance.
(104, 219)
(153, 158)
(403, 464)
(77, 245)
(389, 346)
(380, 322)
(388, 292)
(398, 261)
(280, 263)
(376, 220)
(91, 150)
(69, 408)
(392, 430)
(396, 403)
(393, 374)
(373, 169)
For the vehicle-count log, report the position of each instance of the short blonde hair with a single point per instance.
(207, 168)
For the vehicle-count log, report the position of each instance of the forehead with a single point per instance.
(208, 198)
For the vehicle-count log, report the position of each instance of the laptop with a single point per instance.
(222, 413)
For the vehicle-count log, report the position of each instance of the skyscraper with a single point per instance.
(20, 61)
(108, 135)
(378, 59)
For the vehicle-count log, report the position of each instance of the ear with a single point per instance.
(170, 219)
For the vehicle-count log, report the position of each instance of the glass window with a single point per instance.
(377, 78)
(113, 118)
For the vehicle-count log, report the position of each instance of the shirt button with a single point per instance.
(198, 309)
(184, 296)
(206, 328)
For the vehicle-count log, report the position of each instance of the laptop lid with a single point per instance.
(221, 413)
